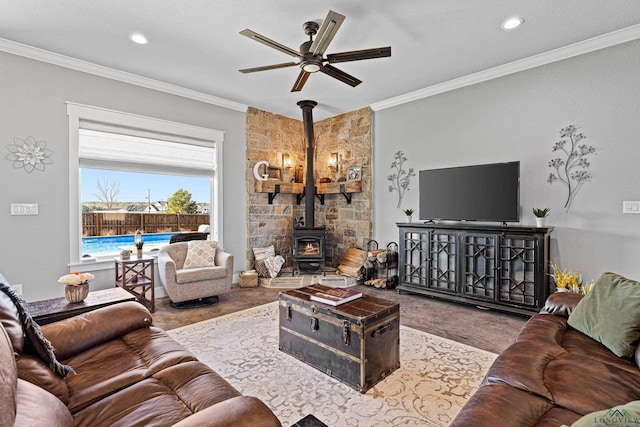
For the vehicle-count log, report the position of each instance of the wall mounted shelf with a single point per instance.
(346, 188)
(273, 188)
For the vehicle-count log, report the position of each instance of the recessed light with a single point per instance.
(512, 23)
(139, 38)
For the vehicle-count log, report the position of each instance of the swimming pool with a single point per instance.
(104, 245)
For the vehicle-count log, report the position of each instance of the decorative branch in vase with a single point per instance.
(572, 172)
(569, 281)
(400, 179)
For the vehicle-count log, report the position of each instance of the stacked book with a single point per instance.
(331, 296)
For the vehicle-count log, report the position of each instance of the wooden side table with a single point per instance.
(136, 276)
(52, 310)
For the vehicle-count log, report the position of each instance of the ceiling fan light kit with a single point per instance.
(311, 67)
(311, 57)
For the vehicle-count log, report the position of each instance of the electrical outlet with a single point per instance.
(17, 289)
(631, 207)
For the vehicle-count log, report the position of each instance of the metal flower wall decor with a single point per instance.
(573, 171)
(29, 154)
(400, 179)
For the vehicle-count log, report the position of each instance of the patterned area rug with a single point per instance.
(435, 379)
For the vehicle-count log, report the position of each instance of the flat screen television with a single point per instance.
(471, 193)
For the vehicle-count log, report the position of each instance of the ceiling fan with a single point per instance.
(311, 57)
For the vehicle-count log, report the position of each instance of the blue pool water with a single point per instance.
(102, 245)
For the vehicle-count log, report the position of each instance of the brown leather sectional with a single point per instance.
(127, 373)
(551, 375)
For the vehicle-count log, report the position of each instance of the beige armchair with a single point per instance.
(191, 287)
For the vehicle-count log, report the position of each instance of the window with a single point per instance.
(124, 145)
(127, 201)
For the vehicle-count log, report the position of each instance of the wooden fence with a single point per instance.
(118, 223)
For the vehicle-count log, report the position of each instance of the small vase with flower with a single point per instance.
(569, 281)
(409, 214)
(76, 286)
(137, 241)
(541, 215)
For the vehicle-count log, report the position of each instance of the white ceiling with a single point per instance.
(195, 48)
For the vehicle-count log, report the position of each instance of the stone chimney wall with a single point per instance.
(348, 225)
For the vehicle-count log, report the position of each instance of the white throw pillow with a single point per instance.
(263, 253)
(274, 264)
(260, 256)
(201, 253)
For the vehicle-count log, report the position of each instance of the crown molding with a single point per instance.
(596, 43)
(113, 74)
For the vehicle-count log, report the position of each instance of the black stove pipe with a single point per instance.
(309, 188)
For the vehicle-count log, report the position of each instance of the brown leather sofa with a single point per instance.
(551, 375)
(127, 373)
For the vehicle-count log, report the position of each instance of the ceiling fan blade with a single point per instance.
(269, 67)
(325, 34)
(357, 55)
(300, 81)
(332, 71)
(267, 41)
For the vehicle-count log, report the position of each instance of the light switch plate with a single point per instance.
(24, 209)
(631, 207)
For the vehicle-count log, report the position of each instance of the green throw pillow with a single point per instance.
(623, 415)
(610, 314)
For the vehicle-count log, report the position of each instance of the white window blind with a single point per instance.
(105, 146)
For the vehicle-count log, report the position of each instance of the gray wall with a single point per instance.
(518, 117)
(35, 249)
(512, 118)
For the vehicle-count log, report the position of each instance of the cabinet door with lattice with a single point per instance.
(480, 265)
(520, 273)
(442, 261)
(414, 249)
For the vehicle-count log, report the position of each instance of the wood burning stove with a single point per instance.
(309, 240)
(309, 249)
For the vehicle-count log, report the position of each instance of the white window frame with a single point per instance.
(80, 112)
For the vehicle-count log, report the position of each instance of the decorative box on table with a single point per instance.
(357, 342)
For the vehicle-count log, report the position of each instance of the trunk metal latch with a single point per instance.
(314, 321)
(287, 308)
(346, 332)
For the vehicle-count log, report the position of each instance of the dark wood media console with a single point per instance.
(499, 267)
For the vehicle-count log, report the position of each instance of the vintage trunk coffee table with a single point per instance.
(357, 342)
